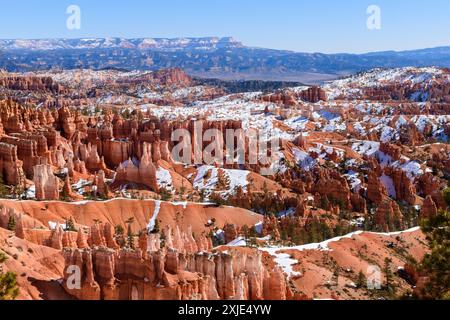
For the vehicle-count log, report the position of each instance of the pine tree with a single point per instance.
(70, 225)
(447, 196)
(252, 232)
(119, 235)
(388, 273)
(252, 237)
(362, 280)
(265, 189)
(156, 228)
(11, 223)
(3, 257)
(162, 237)
(435, 265)
(130, 238)
(165, 194)
(118, 230)
(8, 286)
(8, 283)
(3, 189)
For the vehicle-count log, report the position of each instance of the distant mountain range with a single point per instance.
(212, 57)
(176, 44)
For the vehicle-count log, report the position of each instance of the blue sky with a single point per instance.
(300, 25)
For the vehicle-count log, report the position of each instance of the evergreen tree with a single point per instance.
(118, 230)
(252, 237)
(70, 225)
(362, 280)
(119, 235)
(130, 238)
(8, 286)
(165, 194)
(202, 195)
(11, 223)
(126, 114)
(436, 264)
(3, 189)
(387, 270)
(8, 283)
(130, 235)
(265, 189)
(447, 196)
(252, 232)
(156, 228)
(3, 257)
(162, 237)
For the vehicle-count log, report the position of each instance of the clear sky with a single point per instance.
(300, 25)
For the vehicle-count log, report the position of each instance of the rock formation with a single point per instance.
(46, 184)
(376, 192)
(429, 208)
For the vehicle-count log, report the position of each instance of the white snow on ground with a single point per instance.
(349, 87)
(284, 260)
(53, 225)
(387, 133)
(164, 179)
(235, 178)
(259, 227)
(391, 234)
(297, 123)
(389, 184)
(359, 222)
(384, 159)
(79, 186)
(81, 202)
(277, 164)
(412, 168)
(219, 233)
(181, 203)
(303, 159)
(334, 125)
(151, 224)
(369, 148)
(420, 122)
(355, 182)
(401, 122)
(31, 192)
(323, 246)
(209, 184)
(231, 107)
(238, 242)
(359, 128)
(286, 213)
(80, 183)
(196, 92)
(328, 115)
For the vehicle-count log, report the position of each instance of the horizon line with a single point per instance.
(220, 37)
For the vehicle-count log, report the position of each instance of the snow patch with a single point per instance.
(151, 224)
